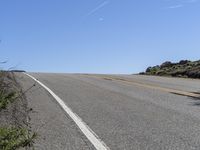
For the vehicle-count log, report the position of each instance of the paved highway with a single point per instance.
(124, 112)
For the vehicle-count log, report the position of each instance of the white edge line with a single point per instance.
(92, 137)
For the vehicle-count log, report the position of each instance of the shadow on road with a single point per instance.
(196, 103)
(196, 99)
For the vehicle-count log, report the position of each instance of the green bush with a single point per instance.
(6, 99)
(184, 68)
(12, 138)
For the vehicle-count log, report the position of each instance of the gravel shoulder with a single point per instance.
(16, 113)
(55, 129)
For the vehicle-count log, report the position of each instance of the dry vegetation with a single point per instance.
(184, 68)
(15, 131)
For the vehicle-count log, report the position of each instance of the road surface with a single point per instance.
(125, 112)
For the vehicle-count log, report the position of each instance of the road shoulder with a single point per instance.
(55, 129)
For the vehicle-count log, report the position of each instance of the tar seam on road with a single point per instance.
(173, 91)
(92, 137)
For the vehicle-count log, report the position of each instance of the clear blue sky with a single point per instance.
(97, 36)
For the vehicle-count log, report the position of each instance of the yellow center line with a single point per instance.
(131, 82)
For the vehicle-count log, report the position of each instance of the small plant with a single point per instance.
(8, 93)
(12, 138)
(6, 99)
(153, 70)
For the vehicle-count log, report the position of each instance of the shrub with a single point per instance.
(6, 99)
(12, 138)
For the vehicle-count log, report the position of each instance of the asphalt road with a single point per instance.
(127, 112)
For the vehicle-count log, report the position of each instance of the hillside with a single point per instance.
(184, 68)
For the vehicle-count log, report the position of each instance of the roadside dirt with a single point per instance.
(16, 114)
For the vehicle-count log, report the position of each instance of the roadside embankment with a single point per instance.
(15, 131)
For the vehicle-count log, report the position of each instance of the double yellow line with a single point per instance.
(155, 87)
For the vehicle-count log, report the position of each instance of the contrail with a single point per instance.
(180, 3)
(97, 8)
(175, 6)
